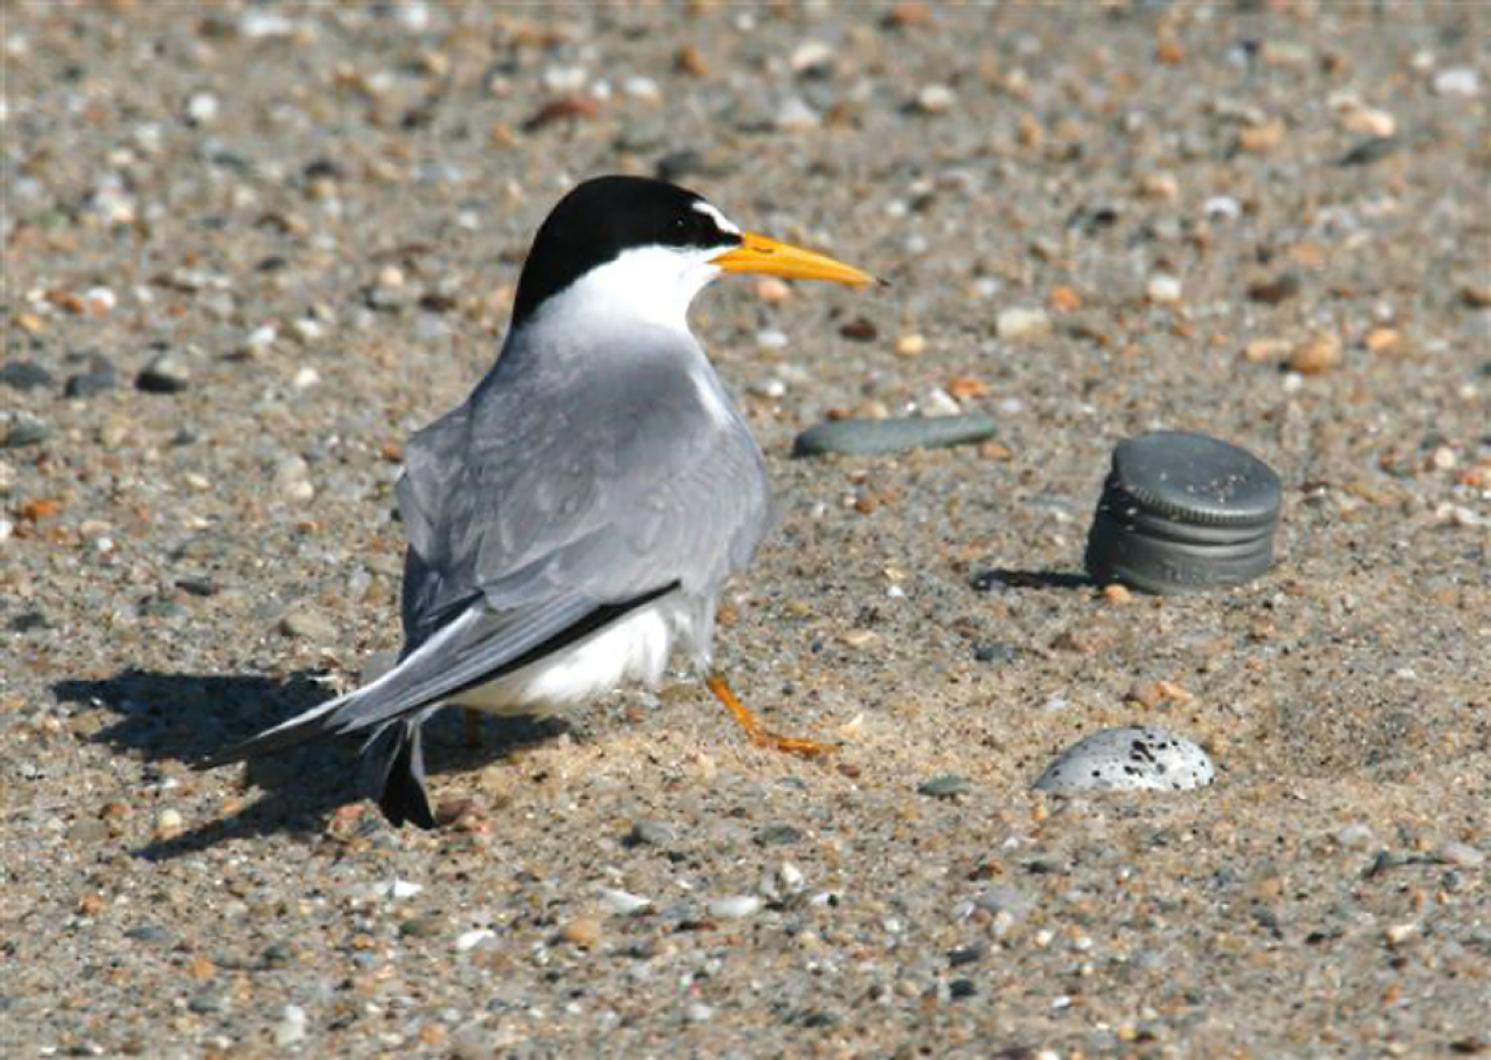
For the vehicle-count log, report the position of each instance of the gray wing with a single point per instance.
(605, 482)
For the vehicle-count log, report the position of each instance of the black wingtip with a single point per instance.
(403, 798)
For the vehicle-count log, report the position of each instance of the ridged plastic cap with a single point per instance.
(1182, 512)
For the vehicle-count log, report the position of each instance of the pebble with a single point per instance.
(25, 375)
(624, 903)
(23, 429)
(794, 115)
(772, 290)
(167, 373)
(860, 329)
(698, 1012)
(935, 99)
(260, 339)
(257, 25)
(291, 1027)
(1222, 207)
(202, 108)
(395, 887)
(810, 55)
(1316, 355)
(771, 339)
(1373, 150)
(1018, 323)
(1463, 854)
(911, 345)
(940, 403)
(1265, 350)
(1398, 934)
(292, 479)
(946, 786)
(1369, 121)
(777, 834)
(1163, 289)
(651, 834)
(865, 437)
(1457, 81)
(1262, 138)
(735, 907)
(1356, 836)
(1279, 289)
(99, 377)
(468, 940)
(1129, 759)
(307, 623)
(169, 824)
(583, 931)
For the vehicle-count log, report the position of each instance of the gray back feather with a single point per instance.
(601, 473)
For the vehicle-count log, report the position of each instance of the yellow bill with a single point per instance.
(767, 257)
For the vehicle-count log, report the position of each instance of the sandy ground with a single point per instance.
(315, 216)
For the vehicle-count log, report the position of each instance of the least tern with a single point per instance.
(577, 515)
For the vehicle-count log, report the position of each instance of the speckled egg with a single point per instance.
(1129, 759)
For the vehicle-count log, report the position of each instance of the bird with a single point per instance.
(574, 519)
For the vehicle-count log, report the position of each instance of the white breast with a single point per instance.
(633, 649)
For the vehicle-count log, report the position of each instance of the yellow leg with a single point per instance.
(472, 721)
(758, 733)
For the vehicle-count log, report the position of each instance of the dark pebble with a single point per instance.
(27, 621)
(777, 835)
(1373, 150)
(860, 329)
(207, 1004)
(167, 374)
(651, 834)
(148, 933)
(25, 429)
(875, 437)
(947, 786)
(969, 954)
(422, 927)
(25, 375)
(995, 652)
(160, 607)
(958, 989)
(99, 377)
(1280, 289)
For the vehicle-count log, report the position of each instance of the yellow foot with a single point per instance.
(472, 721)
(759, 734)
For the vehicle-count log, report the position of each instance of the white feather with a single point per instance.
(636, 648)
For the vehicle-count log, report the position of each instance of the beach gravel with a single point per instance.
(250, 248)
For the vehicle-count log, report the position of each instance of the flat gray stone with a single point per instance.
(876, 437)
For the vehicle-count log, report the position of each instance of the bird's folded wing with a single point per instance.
(605, 483)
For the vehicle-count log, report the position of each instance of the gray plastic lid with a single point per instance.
(1182, 511)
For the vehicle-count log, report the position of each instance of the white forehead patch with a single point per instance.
(726, 225)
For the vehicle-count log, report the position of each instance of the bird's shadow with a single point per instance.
(191, 717)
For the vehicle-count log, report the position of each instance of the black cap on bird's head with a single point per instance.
(603, 218)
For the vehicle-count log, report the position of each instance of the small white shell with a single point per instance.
(1129, 759)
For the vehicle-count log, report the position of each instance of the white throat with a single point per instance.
(652, 285)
